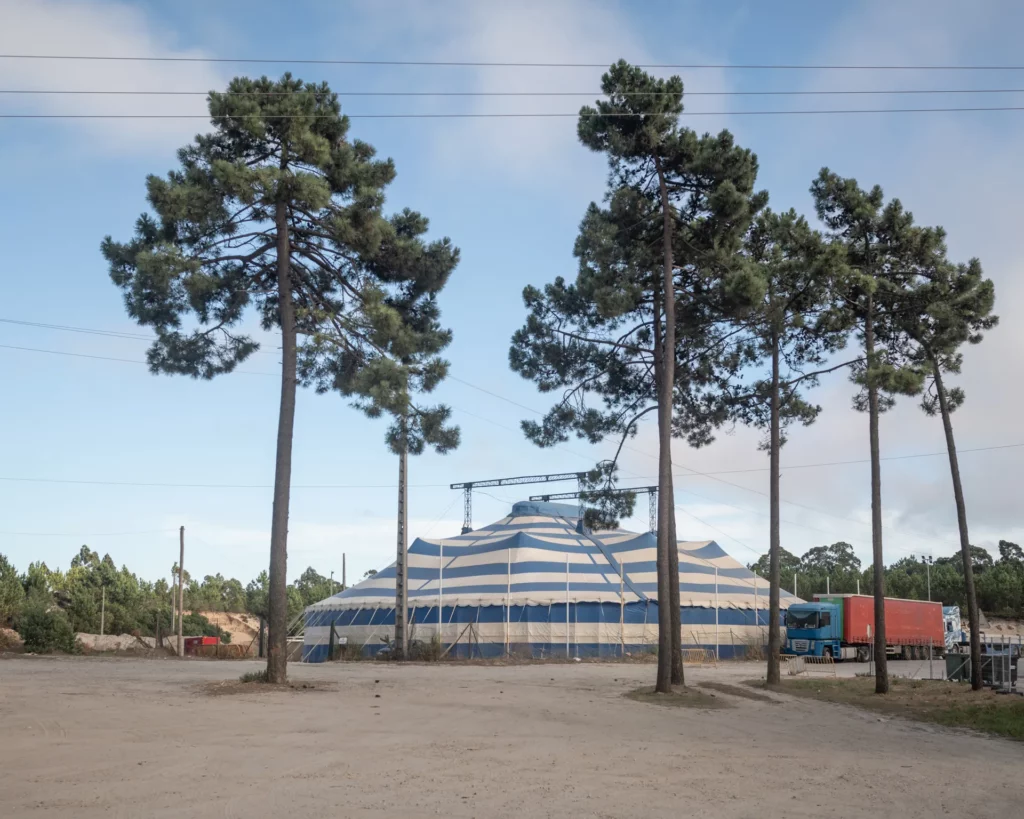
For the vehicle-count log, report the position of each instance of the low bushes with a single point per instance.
(44, 628)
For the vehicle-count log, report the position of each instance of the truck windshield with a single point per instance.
(801, 619)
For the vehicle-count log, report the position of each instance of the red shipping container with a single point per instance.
(907, 622)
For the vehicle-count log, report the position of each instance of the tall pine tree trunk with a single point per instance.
(881, 663)
(774, 534)
(663, 683)
(668, 618)
(277, 650)
(678, 677)
(965, 541)
(401, 565)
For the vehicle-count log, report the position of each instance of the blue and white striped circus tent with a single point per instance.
(535, 584)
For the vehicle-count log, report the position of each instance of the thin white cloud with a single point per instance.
(54, 27)
(544, 153)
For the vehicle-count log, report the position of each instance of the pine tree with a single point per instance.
(278, 210)
(655, 268)
(885, 253)
(795, 328)
(12, 593)
(951, 306)
(390, 384)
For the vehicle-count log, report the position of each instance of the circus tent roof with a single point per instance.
(538, 555)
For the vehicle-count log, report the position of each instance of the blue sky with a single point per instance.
(510, 194)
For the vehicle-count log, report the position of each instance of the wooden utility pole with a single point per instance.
(181, 593)
(103, 610)
(401, 586)
(344, 581)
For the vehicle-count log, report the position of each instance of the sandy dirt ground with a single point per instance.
(121, 737)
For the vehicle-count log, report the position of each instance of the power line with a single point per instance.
(495, 395)
(440, 517)
(168, 485)
(860, 460)
(713, 476)
(748, 510)
(94, 332)
(696, 473)
(106, 358)
(594, 93)
(693, 472)
(245, 372)
(716, 529)
(534, 115)
(112, 333)
(89, 534)
(510, 64)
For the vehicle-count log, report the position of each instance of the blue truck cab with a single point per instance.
(814, 629)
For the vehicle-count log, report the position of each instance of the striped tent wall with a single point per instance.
(534, 584)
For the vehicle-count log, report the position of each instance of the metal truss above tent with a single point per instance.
(650, 491)
(468, 486)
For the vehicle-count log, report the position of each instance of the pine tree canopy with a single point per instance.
(593, 339)
(887, 256)
(801, 277)
(388, 384)
(209, 249)
(950, 307)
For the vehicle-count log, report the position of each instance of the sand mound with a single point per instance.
(111, 642)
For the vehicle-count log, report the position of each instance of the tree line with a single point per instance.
(62, 602)
(999, 580)
(695, 303)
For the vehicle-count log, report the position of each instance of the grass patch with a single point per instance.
(743, 691)
(679, 698)
(254, 676)
(944, 703)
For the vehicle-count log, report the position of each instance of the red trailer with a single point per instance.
(192, 644)
(910, 625)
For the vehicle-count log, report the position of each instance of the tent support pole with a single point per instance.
(508, 604)
(716, 613)
(622, 611)
(567, 605)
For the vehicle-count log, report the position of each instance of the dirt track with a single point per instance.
(94, 737)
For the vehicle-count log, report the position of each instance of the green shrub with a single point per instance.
(254, 676)
(11, 592)
(429, 652)
(45, 629)
(194, 625)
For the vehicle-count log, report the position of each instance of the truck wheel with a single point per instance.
(827, 652)
(862, 655)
